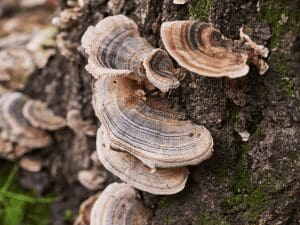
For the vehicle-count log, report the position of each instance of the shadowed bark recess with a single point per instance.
(245, 182)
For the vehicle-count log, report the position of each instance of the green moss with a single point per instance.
(244, 197)
(200, 9)
(164, 203)
(283, 72)
(259, 132)
(69, 216)
(232, 111)
(281, 16)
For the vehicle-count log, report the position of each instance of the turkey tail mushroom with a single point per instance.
(202, 49)
(15, 127)
(148, 128)
(114, 47)
(132, 171)
(119, 204)
(39, 115)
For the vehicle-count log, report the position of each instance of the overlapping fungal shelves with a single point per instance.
(23, 124)
(115, 48)
(142, 139)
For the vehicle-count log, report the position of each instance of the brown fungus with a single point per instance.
(11, 151)
(119, 204)
(148, 128)
(39, 115)
(115, 47)
(92, 179)
(15, 127)
(201, 48)
(85, 210)
(132, 171)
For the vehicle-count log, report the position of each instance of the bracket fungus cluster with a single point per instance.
(21, 120)
(201, 48)
(142, 139)
(115, 48)
(24, 50)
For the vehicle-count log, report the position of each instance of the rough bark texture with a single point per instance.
(254, 182)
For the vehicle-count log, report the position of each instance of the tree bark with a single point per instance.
(245, 182)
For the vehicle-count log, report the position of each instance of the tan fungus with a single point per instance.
(115, 47)
(148, 129)
(201, 48)
(132, 171)
(39, 115)
(119, 204)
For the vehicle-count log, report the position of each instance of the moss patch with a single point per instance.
(200, 9)
(282, 17)
(245, 198)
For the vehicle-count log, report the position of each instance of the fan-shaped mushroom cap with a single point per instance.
(119, 204)
(85, 210)
(159, 70)
(14, 125)
(202, 49)
(11, 151)
(39, 115)
(92, 179)
(132, 171)
(150, 130)
(114, 47)
(16, 64)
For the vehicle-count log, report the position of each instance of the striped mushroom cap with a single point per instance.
(148, 128)
(132, 171)
(39, 115)
(115, 47)
(15, 127)
(202, 49)
(119, 204)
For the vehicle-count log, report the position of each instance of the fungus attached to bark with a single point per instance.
(119, 204)
(39, 115)
(148, 129)
(16, 65)
(132, 171)
(11, 151)
(85, 210)
(92, 179)
(202, 49)
(15, 127)
(115, 47)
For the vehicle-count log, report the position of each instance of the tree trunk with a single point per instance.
(245, 182)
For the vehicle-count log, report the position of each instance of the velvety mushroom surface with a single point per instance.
(146, 127)
(202, 49)
(119, 204)
(132, 171)
(114, 47)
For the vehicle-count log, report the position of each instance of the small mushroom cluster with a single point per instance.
(142, 139)
(23, 123)
(24, 49)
